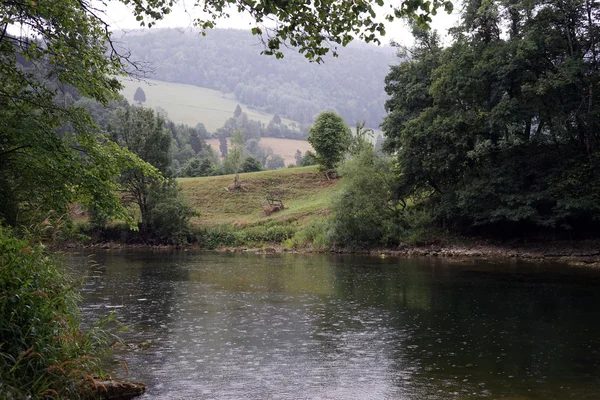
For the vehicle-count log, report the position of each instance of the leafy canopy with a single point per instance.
(311, 27)
(501, 131)
(330, 137)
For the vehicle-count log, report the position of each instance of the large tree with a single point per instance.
(331, 138)
(143, 133)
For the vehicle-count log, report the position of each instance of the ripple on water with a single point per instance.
(297, 327)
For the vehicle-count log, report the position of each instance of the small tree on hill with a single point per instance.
(275, 162)
(139, 96)
(298, 157)
(330, 137)
(196, 141)
(251, 164)
(237, 112)
(223, 145)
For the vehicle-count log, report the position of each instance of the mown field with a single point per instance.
(284, 147)
(305, 193)
(189, 104)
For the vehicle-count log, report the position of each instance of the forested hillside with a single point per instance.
(230, 61)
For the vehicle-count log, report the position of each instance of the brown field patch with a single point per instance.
(286, 148)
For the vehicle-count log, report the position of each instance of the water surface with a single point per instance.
(222, 326)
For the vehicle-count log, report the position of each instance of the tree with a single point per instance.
(237, 112)
(308, 159)
(276, 119)
(298, 157)
(275, 162)
(251, 164)
(330, 137)
(223, 145)
(139, 96)
(233, 161)
(143, 132)
(366, 211)
(196, 141)
(198, 167)
(361, 139)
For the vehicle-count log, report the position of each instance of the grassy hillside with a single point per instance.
(305, 194)
(284, 147)
(189, 104)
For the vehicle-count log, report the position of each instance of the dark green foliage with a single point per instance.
(164, 217)
(196, 141)
(237, 112)
(500, 133)
(223, 145)
(198, 167)
(364, 213)
(273, 232)
(308, 159)
(139, 96)
(275, 161)
(169, 214)
(251, 164)
(330, 137)
(43, 352)
(252, 129)
(298, 158)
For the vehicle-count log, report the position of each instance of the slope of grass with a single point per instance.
(189, 104)
(305, 193)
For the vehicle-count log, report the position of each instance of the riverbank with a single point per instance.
(585, 252)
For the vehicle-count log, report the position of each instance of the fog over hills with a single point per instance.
(230, 61)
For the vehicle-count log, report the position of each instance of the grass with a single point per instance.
(284, 147)
(43, 352)
(189, 104)
(305, 193)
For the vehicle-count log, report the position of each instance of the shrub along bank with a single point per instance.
(43, 351)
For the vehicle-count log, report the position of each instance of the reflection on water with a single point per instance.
(323, 327)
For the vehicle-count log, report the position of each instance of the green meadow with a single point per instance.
(189, 104)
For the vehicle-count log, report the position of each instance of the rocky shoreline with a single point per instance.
(572, 252)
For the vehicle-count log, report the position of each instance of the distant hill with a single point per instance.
(189, 104)
(229, 61)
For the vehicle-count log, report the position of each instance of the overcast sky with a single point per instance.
(121, 18)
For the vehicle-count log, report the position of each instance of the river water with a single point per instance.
(224, 326)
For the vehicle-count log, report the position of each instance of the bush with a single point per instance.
(169, 214)
(43, 353)
(315, 235)
(366, 212)
(251, 164)
(256, 235)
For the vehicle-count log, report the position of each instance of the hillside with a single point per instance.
(305, 193)
(191, 105)
(229, 61)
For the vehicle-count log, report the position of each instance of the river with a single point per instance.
(286, 326)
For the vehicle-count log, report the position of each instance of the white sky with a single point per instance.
(182, 16)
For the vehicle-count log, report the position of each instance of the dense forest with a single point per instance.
(497, 134)
(230, 61)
